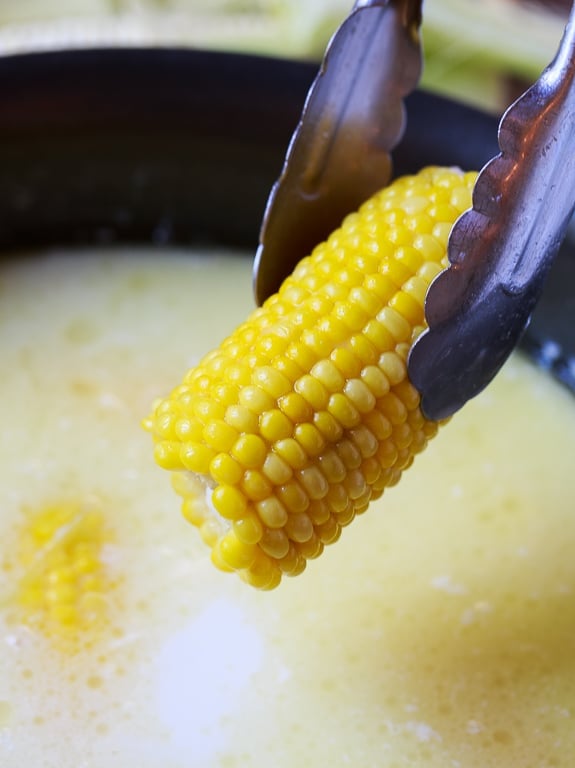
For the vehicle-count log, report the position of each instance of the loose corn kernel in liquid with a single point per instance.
(65, 583)
(305, 414)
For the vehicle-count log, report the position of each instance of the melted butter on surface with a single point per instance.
(439, 632)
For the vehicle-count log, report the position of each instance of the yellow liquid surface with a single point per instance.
(439, 631)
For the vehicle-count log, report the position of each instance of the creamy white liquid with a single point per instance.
(438, 632)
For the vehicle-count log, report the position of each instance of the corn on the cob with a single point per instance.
(65, 585)
(305, 413)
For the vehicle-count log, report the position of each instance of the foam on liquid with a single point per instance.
(438, 632)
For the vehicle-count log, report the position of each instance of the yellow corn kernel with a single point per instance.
(264, 572)
(360, 395)
(310, 438)
(296, 408)
(343, 410)
(376, 380)
(289, 564)
(276, 469)
(219, 435)
(346, 361)
(210, 531)
(313, 391)
(288, 367)
(293, 497)
(275, 425)
(305, 413)
(235, 553)
(337, 498)
(331, 467)
(327, 374)
(310, 549)
(196, 457)
(193, 510)
(272, 381)
(275, 543)
(364, 440)
(249, 529)
(225, 470)
(299, 527)
(329, 427)
(255, 399)
(330, 531)
(250, 451)
(314, 482)
(319, 512)
(229, 502)
(272, 512)
(255, 485)
(292, 452)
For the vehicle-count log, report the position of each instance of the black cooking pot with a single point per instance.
(182, 147)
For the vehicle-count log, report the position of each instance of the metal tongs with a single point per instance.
(499, 251)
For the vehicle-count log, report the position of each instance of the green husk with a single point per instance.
(471, 47)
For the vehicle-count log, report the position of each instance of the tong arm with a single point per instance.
(501, 249)
(339, 153)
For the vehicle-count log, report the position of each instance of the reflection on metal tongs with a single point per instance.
(339, 153)
(499, 251)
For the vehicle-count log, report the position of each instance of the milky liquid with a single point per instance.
(438, 632)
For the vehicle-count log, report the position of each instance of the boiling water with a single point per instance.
(438, 632)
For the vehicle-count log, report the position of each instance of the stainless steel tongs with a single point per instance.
(499, 251)
(339, 153)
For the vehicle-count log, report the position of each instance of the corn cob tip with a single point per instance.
(305, 413)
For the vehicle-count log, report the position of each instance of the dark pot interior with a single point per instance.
(182, 147)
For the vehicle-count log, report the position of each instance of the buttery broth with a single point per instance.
(438, 632)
